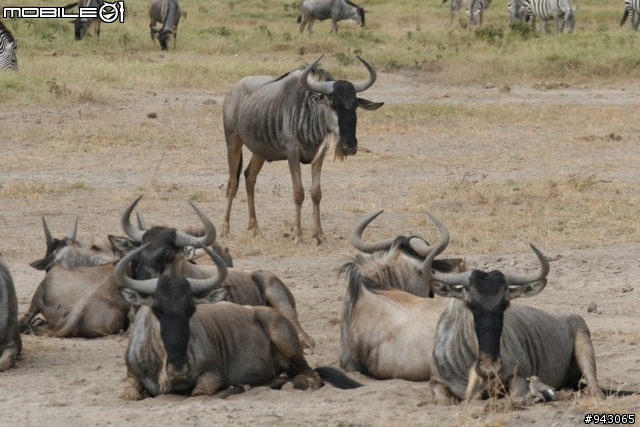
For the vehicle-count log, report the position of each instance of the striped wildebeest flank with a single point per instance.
(293, 117)
(476, 11)
(184, 339)
(168, 13)
(8, 46)
(169, 252)
(551, 9)
(82, 25)
(386, 331)
(337, 10)
(631, 9)
(10, 341)
(482, 340)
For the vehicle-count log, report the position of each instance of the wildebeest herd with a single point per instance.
(196, 325)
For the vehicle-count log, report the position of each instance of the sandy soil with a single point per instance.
(116, 152)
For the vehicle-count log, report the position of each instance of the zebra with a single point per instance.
(476, 9)
(455, 6)
(516, 10)
(632, 9)
(8, 46)
(551, 9)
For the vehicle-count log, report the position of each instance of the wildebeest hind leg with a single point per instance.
(208, 383)
(585, 355)
(280, 298)
(298, 191)
(8, 358)
(250, 176)
(316, 196)
(234, 157)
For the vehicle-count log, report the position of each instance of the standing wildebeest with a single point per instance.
(81, 25)
(166, 256)
(337, 10)
(292, 117)
(386, 331)
(10, 342)
(631, 8)
(166, 12)
(181, 344)
(481, 336)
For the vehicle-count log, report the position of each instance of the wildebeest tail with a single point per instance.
(624, 17)
(337, 378)
(237, 176)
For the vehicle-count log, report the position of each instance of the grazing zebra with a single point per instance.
(551, 9)
(455, 8)
(516, 9)
(632, 8)
(8, 46)
(476, 9)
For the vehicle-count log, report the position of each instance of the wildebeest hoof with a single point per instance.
(300, 383)
(308, 351)
(224, 231)
(319, 238)
(130, 393)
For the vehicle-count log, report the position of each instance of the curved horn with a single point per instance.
(74, 230)
(513, 280)
(362, 246)
(183, 239)
(147, 287)
(362, 86)
(125, 221)
(47, 233)
(199, 287)
(423, 249)
(142, 224)
(325, 88)
(461, 279)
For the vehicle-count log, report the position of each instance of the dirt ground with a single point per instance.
(92, 159)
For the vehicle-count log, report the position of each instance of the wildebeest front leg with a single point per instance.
(334, 25)
(208, 383)
(250, 176)
(152, 25)
(8, 358)
(298, 190)
(133, 389)
(316, 196)
(234, 157)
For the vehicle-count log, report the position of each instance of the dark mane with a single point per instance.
(350, 3)
(4, 31)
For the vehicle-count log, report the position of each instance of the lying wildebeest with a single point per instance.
(181, 344)
(337, 10)
(165, 256)
(292, 117)
(166, 12)
(81, 24)
(481, 336)
(10, 342)
(386, 332)
(78, 297)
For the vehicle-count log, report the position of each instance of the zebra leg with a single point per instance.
(293, 156)
(234, 156)
(635, 20)
(543, 26)
(250, 176)
(556, 21)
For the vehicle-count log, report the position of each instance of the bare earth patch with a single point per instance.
(556, 167)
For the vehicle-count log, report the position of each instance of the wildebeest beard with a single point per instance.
(344, 102)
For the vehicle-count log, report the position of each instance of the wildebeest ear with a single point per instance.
(44, 263)
(316, 97)
(122, 244)
(134, 298)
(449, 291)
(527, 290)
(448, 265)
(369, 105)
(218, 294)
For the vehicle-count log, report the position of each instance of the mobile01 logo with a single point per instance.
(108, 12)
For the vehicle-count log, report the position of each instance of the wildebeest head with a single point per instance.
(81, 26)
(172, 300)
(163, 36)
(166, 246)
(55, 247)
(340, 97)
(487, 296)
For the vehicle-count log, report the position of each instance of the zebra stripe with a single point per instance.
(8, 58)
(631, 9)
(551, 9)
(476, 10)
